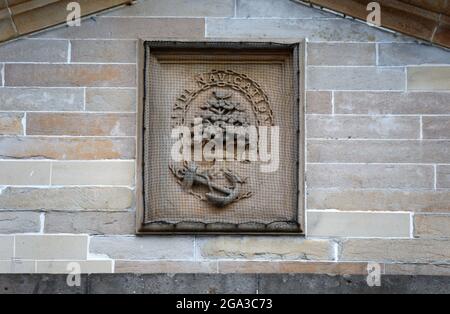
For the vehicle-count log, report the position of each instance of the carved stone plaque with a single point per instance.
(220, 145)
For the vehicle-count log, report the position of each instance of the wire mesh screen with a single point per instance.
(196, 176)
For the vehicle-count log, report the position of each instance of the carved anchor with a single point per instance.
(188, 176)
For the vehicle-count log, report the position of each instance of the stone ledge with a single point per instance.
(219, 283)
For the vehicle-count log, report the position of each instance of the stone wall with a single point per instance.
(378, 146)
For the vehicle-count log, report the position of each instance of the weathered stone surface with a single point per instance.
(223, 283)
(67, 148)
(144, 248)
(6, 247)
(355, 78)
(26, 50)
(70, 75)
(51, 247)
(104, 51)
(284, 9)
(429, 78)
(24, 172)
(378, 151)
(90, 222)
(436, 127)
(183, 8)
(81, 124)
(19, 222)
(386, 127)
(106, 99)
(270, 267)
(158, 267)
(443, 177)
(65, 267)
(93, 173)
(173, 284)
(392, 103)
(337, 29)
(318, 102)
(408, 251)
(382, 200)
(11, 123)
(40, 284)
(17, 267)
(70, 198)
(369, 176)
(411, 54)
(309, 284)
(417, 269)
(341, 54)
(347, 224)
(7, 30)
(41, 99)
(126, 28)
(432, 226)
(288, 248)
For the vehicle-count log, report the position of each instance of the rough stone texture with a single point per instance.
(378, 151)
(384, 250)
(106, 99)
(90, 222)
(411, 54)
(417, 269)
(158, 267)
(67, 148)
(41, 99)
(40, 284)
(129, 28)
(65, 267)
(69, 247)
(370, 176)
(239, 247)
(178, 8)
(25, 50)
(144, 248)
(261, 267)
(432, 226)
(309, 284)
(386, 127)
(222, 283)
(355, 78)
(443, 177)
(70, 75)
(429, 78)
(24, 172)
(11, 123)
(413, 103)
(339, 54)
(346, 224)
(315, 29)
(103, 51)
(6, 247)
(19, 222)
(318, 102)
(269, 8)
(179, 283)
(81, 124)
(93, 173)
(436, 127)
(380, 200)
(67, 198)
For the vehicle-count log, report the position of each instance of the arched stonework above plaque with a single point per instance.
(220, 140)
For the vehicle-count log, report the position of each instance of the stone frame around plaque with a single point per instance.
(297, 50)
